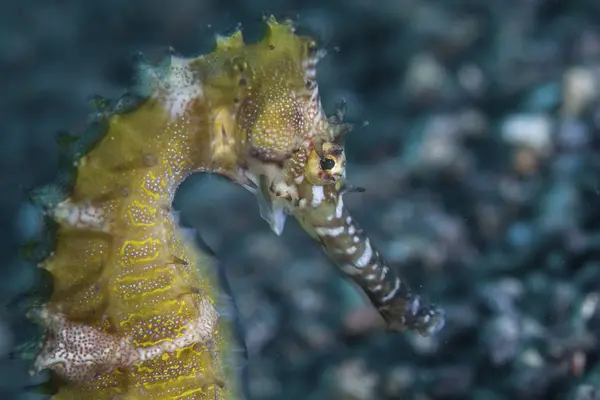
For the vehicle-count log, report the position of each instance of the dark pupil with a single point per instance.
(327, 164)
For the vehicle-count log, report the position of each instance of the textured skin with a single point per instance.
(130, 285)
(132, 314)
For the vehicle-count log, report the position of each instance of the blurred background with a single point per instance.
(481, 164)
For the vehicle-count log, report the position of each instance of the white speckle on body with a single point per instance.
(80, 215)
(177, 87)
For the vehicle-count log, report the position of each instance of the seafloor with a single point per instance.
(481, 164)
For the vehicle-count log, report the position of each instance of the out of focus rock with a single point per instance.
(526, 161)
(502, 339)
(425, 78)
(559, 207)
(262, 380)
(573, 135)
(472, 80)
(586, 392)
(580, 86)
(501, 296)
(399, 379)
(352, 380)
(544, 98)
(531, 130)
(452, 381)
(363, 321)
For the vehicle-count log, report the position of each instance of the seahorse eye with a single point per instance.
(327, 164)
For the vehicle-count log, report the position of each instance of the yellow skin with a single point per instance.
(132, 315)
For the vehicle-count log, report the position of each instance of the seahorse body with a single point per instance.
(133, 311)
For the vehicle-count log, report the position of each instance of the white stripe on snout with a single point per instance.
(339, 208)
(393, 292)
(317, 195)
(384, 272)
(364, 259)
(330, 231)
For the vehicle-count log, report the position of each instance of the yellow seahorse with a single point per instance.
(132, 314)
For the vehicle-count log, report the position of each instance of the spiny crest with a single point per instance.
(233, 41)
(173, 81)
(180, 82)
(287, 25)
(338, 127)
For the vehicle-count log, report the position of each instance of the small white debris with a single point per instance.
(76, 215)
(425, 75)
(531, 130)
(580, 87)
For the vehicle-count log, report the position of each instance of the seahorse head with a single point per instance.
(285, 140)
(317, 169)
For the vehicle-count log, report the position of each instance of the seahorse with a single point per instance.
(133, 312)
